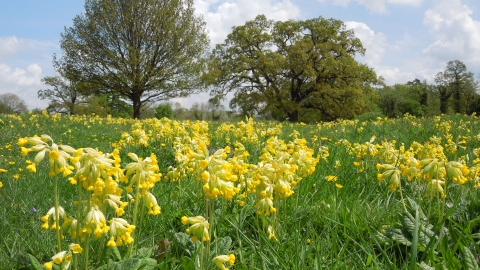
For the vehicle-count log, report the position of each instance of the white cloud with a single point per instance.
(23, 82)
(457, 34)
(374, 43)
(405, 2)
(377, 6)
(13, 46)
(221, 17)
(22, 65)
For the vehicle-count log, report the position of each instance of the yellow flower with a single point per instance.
(1, 184)
(3, 171)
(58, 258)
(220, 260)
(338, 185)
(271, 234)
(75, 248)
(199, 228)
(111, 242)
(331, 178)
(122, 230)
(48, 265)
(151, 204)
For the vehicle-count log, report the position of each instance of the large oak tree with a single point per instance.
(289, 69)
(140, 50)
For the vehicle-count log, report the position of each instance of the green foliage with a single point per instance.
(456, 88)
(12, 103)
(141, 51)
(164, 110)
(63, 94)
(293, 68)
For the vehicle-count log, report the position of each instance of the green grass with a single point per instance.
(319, 227)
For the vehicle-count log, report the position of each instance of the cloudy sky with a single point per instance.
(405, 39)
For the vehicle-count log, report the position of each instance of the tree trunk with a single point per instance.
(137, 104)
(444, 103)
(293, 116)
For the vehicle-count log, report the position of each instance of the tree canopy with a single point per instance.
(458, 83)
(140, 50)
(12, 103)
(292, 69)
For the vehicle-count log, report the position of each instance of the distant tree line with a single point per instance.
(455, 91)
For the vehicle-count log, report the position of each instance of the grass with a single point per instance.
(321, 226)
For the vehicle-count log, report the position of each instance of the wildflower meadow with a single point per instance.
(85, 192)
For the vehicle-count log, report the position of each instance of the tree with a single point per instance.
(458, 83)
(141, 50)
(63, 94)
(12, 103)
(164, 110)
(288, 69)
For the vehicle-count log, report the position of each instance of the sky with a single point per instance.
(404, 39)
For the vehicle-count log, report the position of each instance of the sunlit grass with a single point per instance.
(334, 218)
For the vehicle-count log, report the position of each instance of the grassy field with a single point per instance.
(377, 194)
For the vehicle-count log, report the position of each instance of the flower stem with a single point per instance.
(57, 214)
(135, 216)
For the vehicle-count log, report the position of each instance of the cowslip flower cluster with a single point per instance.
(220, 261)
(198, 229)
(64, 258)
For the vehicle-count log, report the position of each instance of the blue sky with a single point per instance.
(405, 39)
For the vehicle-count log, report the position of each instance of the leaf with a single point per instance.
(469, 260)
(398, 236)
(182, 240)
(131, 264)
(187, 263)
(223, 245)
(425, 266)
(116, 253)
(144, 253)
(35, 263)
(425, 234)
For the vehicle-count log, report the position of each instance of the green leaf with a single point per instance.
(222, 245)
(144, 253)
(398, 236)
(35, 263)
(425, 234)
(187, 263)
(116, 253)
(425, 266)
(469, 260)
(131, 264)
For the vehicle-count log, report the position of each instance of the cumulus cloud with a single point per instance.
(377, 6)
(379, 53)
(374, 43)
(23, 82)
(22, 66)
(221, 16)
(457, 34)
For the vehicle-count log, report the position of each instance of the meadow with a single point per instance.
(109, 193)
